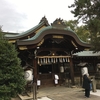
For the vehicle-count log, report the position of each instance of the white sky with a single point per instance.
(21, 15)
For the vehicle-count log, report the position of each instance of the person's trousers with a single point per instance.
(87, 92)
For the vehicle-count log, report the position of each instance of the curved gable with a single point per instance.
(50, 30)
(43, 30)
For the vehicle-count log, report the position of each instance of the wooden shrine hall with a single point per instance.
(47, 50)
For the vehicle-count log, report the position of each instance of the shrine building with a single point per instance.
(49, 50)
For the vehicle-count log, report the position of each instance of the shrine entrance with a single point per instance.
(49, 66)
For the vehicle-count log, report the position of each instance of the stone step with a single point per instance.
(25, 97)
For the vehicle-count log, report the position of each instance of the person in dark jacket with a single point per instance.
(86, 85)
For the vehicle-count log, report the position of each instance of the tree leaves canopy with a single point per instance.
(88, 11)
(11, 73)
(81, 31)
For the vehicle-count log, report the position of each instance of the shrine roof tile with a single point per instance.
(87, 53)
(23, 33)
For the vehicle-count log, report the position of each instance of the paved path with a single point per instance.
(63, 93)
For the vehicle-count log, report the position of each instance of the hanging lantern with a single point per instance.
(28, 75)
(38, 82)
(61, 69)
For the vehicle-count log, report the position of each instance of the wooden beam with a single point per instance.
(53, 56)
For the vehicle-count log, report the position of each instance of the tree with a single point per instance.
(88, 11)
(80, 30)
(11, 72)
(73, 24)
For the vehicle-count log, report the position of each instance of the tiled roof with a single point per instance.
(87, 53)
(10, 36)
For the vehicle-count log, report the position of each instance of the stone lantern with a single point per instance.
(97, 76)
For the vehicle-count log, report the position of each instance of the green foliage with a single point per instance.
(81, 31)
(88, 11)
(12, 79)
(73, 24)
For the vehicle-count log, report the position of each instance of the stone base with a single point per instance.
(97, 78)
(98, 86)
(25, 97)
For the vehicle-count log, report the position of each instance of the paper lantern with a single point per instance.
(28, 75)
(38, 82)
(56, 81)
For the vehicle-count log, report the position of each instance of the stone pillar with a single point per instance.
(97, 77)
(93, 85)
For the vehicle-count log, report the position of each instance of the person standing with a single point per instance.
(86, 85)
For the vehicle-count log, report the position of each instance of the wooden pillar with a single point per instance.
(81, 78)
(35, 70)
(35, 79)
(72, 71)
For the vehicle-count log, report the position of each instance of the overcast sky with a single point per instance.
(21, 15)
